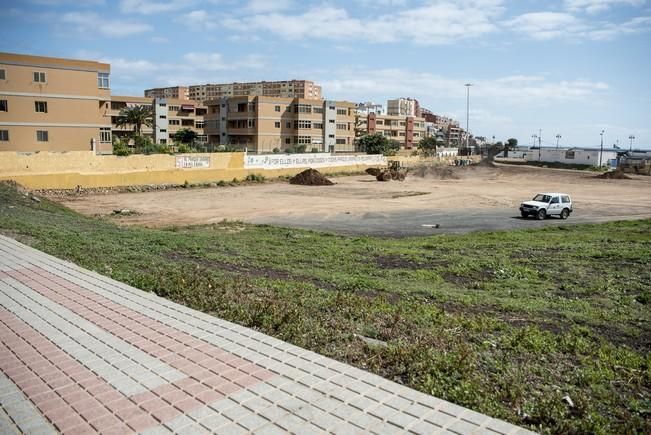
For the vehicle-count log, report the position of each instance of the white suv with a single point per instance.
(547, 204)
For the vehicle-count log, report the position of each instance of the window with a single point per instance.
(103, 80)
(288, 124)
(163, 141)
(39, 77)
(317, 125)
(402, 123)
(177, 108)
(304, 140)
(331, 121)
(342, 126)
(303, 108)
(277, 124)
(379, 122)
(174, 122)
(251, 107)
(341, 141)
(105, 135)
(41, 135)
(277, 108)
(40, 106)
(303, 124)
(199, 124)
(332, 107)
(288, 140)
(342, 112)
(569, 154)
(251, 123)
(4, 135)
(565, 199)
(162, 104)
(162, 116)
(331, 136)
(163, 130)
(316, 109)
(4, 107)
(555, 200)
(2, 76)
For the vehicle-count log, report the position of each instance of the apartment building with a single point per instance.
(263, 124)
(407, 130)
(284, 89)
(53, 104)
(403, 107)
(452, 133)
(177, 92)
(169, 116)
(369, 107)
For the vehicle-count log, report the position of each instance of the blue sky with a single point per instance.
(568, 67)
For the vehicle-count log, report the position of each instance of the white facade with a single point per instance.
(401, 107)
(368, 108)
(568, 156)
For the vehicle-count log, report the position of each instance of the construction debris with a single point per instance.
(310, 177)
(614, 175)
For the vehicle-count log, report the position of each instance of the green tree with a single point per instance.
(185, 135)
(373, 144)
(427, 146)
(512, 143)
(135, 116)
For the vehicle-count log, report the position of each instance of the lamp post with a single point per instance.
(601, 152)
(558, 138)
(534, 137)
(631, 137)
(468, 85)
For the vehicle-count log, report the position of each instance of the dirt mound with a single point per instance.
(439, 172)
(613, 175)
(310, 177)
(487, 162)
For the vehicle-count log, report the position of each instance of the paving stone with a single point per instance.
(127, 360)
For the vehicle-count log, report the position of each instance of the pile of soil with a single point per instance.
(613, 175)
(487, 162)
(310, 177)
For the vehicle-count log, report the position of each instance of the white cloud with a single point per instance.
(148, 7)
(362, 84)
(439, 22)
(198, 20)
(595, 6)
(90, 23)
(263, 6)
(552, 25)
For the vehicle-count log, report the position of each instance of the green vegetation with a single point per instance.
(506, 323)
(378, 144)
(427, 146)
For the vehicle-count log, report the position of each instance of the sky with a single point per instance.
(561, 67)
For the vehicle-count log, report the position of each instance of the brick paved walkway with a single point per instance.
(81, 353)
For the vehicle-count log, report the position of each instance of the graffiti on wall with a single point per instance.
(282, 161)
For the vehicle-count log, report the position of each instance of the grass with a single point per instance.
(505, 323)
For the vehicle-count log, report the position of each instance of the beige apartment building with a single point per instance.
(169, 116)
(52, 104)
(178, 92)
(262, 124)
(407, 130)
(284, 89)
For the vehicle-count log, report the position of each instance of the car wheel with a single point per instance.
(565, 213)
(524, 215)
(542, 214)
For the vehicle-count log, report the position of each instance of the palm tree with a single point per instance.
(137, 116)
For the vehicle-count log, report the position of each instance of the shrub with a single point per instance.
(120, 148)
(276, 150)
(314, 150)
(183, 148)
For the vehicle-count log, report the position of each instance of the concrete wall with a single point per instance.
(67, 170)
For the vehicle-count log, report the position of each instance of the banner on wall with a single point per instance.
(322, 160)
(192, 162)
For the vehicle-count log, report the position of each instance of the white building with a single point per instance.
(568, 156)
(403, 107)
(368, 108)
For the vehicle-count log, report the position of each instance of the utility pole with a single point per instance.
(631, 137)
(468, 85)
(534, 137)
(539, 142)
(558, 138)
(602, 147)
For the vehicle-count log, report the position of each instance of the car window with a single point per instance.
(566, 199)
(555, 200)
(542, 198)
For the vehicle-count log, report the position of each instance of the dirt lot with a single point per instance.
(461, 200)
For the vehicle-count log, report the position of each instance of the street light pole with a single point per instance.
(558, 138)
(534, 137)
(468, 85)
(631, 137)
(601, 152)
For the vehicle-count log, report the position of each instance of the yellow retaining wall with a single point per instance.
(67, 170)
